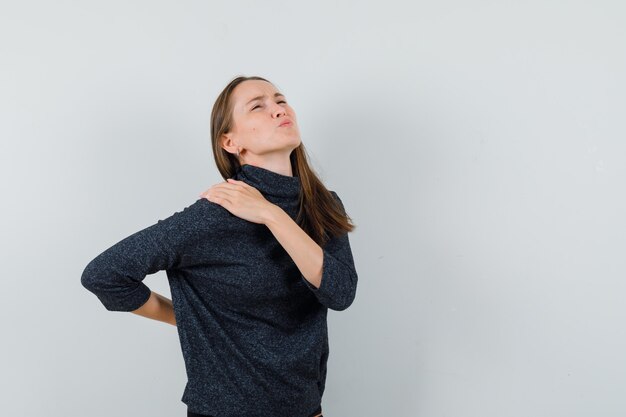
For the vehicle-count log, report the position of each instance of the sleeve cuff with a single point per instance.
(337, 288)
(130, 301)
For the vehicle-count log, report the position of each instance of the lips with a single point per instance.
(285, 123)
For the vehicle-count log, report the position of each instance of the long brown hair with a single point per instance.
(320, 215)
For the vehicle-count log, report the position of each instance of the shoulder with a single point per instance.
(198, 215)
(337, 199)
(335, 195)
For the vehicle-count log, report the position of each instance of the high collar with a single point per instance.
(269, 182)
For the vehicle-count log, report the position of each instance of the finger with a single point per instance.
(219, 197)
(204, 193)
(227, 185)
(237, 182)
(223, 192)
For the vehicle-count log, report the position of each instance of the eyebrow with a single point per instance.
(264, 95)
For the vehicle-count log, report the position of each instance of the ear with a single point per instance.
(227, 143)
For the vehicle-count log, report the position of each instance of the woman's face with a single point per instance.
(258, 111)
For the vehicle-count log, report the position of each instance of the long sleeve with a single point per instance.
(116, 275)
(248, 328)
(337, 289)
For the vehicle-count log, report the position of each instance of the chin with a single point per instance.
(297, 141)
(292, 139)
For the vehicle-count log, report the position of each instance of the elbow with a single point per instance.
(93, 280)
(89, 278)
(339, 281)
(343, 304)
(348, 296)
(113, 291)
(97, 277)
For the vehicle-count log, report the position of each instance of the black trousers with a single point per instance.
(190, 414)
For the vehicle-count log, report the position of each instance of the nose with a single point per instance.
(279, 110)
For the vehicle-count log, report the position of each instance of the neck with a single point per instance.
(269, 182)
(280, 164)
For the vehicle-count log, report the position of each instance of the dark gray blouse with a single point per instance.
(252, 329)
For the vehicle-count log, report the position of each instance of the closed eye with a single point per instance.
(258, 105)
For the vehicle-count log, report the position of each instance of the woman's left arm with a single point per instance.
(305, 252)
(329, 272)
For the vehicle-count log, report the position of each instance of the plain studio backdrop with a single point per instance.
(478, 146)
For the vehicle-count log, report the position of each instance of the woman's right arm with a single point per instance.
(157, 308)
(116, 275)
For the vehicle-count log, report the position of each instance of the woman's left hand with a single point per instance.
(240, 199)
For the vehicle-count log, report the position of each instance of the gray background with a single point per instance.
(479, 147)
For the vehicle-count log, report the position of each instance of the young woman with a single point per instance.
(253, 266)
